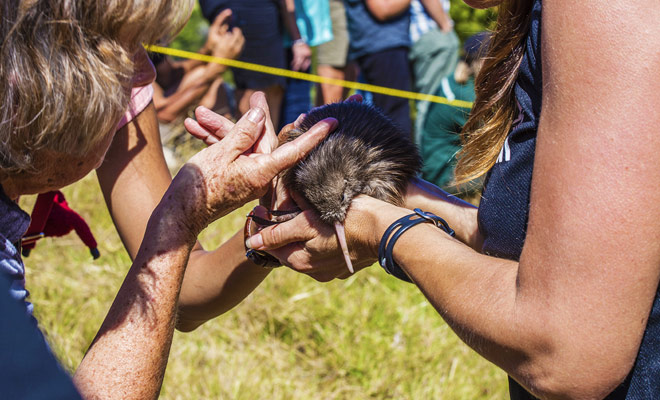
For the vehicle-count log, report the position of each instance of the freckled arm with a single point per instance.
(128, 356)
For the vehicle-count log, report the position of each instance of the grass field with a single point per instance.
(367, 337)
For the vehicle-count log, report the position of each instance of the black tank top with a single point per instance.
(504, 211)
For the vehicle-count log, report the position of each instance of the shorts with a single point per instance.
(335, 52)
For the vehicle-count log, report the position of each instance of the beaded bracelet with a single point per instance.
(397, 229)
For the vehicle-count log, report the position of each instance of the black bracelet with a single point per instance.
(396, 230)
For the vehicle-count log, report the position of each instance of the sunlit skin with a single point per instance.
(57, 169)
(128, 356)
(566, 321)
(482, 3)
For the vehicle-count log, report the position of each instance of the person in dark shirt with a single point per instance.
(379, 43)
(554, 278)
(261, 24)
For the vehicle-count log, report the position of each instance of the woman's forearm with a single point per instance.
(530, 328)
(127, 358)
(459, 214)
(217, 281)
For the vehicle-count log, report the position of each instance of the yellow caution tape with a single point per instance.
(309, 77)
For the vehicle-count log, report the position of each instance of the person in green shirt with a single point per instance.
(439, 136)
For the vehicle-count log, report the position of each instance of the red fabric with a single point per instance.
(61, 220)
(40, 213)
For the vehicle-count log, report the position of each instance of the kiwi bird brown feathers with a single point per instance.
(366, 154)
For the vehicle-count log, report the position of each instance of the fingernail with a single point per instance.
(299, 120)
(255, 115)
(332, 122)
(254, 242)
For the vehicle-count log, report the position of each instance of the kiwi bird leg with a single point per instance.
(341, 236)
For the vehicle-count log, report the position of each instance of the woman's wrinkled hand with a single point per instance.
(308, 245)
(229, 173)
(211, 127)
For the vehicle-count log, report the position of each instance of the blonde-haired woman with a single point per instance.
(555, 277)
(67, 72)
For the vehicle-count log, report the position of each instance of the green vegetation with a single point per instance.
(193, 35)
(370, 336)
(468, 20)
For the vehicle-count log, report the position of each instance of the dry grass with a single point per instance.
(370, 336)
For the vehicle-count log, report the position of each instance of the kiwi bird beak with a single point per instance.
(341, 236)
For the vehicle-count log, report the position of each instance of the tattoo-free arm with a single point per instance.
(438, 14)
(128, 357)
(459, 214)
(133, 178)
(567, 320)
(383, 10)
(302, 53)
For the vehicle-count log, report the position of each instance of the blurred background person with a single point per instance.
(261, 24)
(307, 24)
(332, 57)
(182, 85)
(439, 137)
(379, 43)
(434, 51)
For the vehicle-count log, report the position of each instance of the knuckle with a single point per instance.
(273, 236)
(299, 259)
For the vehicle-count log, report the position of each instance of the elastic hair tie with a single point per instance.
(397, 229)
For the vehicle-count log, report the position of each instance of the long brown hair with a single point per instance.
(494, 109)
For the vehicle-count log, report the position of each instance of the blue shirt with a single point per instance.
(369, 36)
(28, 370)
(420, 21)
(13, 224)
(504, 212)
(313, 22)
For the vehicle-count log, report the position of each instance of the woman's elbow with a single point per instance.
(187, 325)
(577, 376)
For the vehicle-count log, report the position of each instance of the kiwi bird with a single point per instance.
(366, 154)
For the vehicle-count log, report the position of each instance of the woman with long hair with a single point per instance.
(554, 277)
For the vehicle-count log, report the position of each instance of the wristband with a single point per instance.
(298, 41)
(397, 229)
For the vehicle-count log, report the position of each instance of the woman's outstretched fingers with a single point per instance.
(268, 142)
(198, 131)
(245, 133)
(213, 122)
